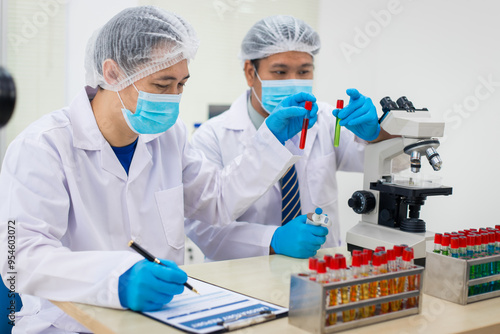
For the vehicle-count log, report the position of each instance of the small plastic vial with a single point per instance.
(462, 251)
(322, 275)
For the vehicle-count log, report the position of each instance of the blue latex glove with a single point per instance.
(286, 119)
(147, 286)
(297, 239)
(359, 116)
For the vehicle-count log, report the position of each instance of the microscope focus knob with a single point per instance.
(362, 201)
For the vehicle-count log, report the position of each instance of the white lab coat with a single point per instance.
(225, 136)
(75, 208)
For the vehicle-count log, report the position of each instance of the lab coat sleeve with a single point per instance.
(219, 195)
(34, 216)
(237, 240)
(240, 238)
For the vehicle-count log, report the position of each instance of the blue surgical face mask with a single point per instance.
(275, 91)
(154, 113)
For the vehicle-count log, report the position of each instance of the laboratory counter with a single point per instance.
(268, 278)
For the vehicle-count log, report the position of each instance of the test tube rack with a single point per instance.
(448, 278)
(308, 302)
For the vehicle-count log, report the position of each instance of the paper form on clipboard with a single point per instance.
(215, 310)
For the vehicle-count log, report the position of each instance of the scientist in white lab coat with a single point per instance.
(278, 54)
(116, 165)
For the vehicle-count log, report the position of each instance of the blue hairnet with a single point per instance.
(141, 40)
(276, 34)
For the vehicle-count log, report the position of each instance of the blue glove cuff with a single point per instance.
(372, 137)
(274, 243)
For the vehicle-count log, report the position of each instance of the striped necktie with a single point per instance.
(290, 196)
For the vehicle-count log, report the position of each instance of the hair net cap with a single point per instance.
(141, 41)
(277, 34)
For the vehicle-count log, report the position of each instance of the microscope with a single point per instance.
(394, 189)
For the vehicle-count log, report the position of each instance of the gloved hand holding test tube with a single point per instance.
(359, 117)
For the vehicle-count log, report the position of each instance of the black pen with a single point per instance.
(148, 256)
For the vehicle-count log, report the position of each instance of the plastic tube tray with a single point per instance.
(308, 309)
(448, 278)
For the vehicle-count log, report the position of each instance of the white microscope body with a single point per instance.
(386, 198)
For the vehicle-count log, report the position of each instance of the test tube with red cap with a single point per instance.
(313, 265)
(497, 250)
(336, 140)
(384, 284)
(491, 243)
(322, 275)
(445, 245)
(374, 285)
(454, 247)
(398, 249)
(357, 260)
(365, 288)
(492, 265)
(485, 239)
(497, 238)
(305, 125)
(333, 293)
(437, 243)
(462, 250)
(392, 267)
(477, 246)
(328, 258)
(344, 292)
(407, 263)
(402, 279)
(368, 253)
(471, 253)
(471, 240)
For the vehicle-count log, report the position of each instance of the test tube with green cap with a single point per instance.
(336, 141)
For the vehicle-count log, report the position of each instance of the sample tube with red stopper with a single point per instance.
(336, 141)
(305, 125)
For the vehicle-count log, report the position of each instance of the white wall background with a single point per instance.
(85, 17)
(441, 54)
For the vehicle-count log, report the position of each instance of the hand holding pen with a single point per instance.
(147, 286)
(148, 256)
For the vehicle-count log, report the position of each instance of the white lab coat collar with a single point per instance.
(237, 116)
(87, 136)
(86, 133)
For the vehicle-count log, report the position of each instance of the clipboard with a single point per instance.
(215, 310)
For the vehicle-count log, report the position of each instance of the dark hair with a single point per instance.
(255, 62)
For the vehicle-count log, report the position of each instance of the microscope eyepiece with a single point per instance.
(404, 103)
(388, 104)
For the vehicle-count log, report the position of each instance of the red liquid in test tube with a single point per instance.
(305, 125)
